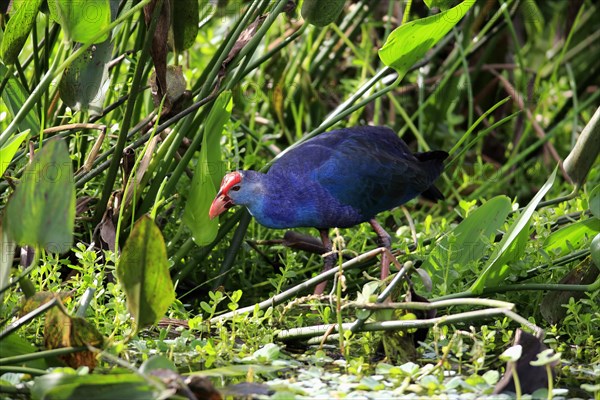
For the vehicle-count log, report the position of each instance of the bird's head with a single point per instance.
(224, 200)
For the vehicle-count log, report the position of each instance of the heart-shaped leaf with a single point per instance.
(143, 271)
(41, 212)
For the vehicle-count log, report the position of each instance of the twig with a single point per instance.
(283, 296)
(318, 330)
(418, 305)
(72, 127)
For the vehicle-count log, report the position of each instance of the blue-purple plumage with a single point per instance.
(339, 179)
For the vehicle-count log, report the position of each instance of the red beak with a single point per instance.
(220, 204)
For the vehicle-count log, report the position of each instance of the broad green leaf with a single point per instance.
(215, 124)
(8, 151)
(409, 43)
(467, 242)
(202, 193)
(81, 20)
(83, 85)
(514, 251)
(185, 24)
(495, 269)
(64, 386)
(517, 247)
(18, 28)
(14, 96)
(41, 212)
(208, 171)
(563, 240)
(143, 271)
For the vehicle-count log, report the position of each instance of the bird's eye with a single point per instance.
(235, 188)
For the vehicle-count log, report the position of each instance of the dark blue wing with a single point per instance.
(368, 168)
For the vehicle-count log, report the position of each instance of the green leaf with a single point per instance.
(467, 242)
(143, 271)
(546, 357)
(14, 96)
(84, 83)
(268, 353)
(203, 191)
(64, 386)
(8, 151)
(157, 362)
(496, 269)
(409, 43)
(41, 212)
(513, 353)
(215, 124)
(82, 20)
(441, 4)
(82, 86)
(321, 13)
(185, 26)
(208, 171)
(14, 345)
(18, 28)
(515, 250)
(571, 236)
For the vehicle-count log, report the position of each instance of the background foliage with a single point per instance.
(153, 112)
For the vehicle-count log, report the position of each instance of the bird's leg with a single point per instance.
(329, 260)
(385, 240)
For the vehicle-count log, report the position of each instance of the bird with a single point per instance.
(337, 179)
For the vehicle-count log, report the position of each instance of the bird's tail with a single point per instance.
(433, 194)
(434, 163)
(433, 160)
